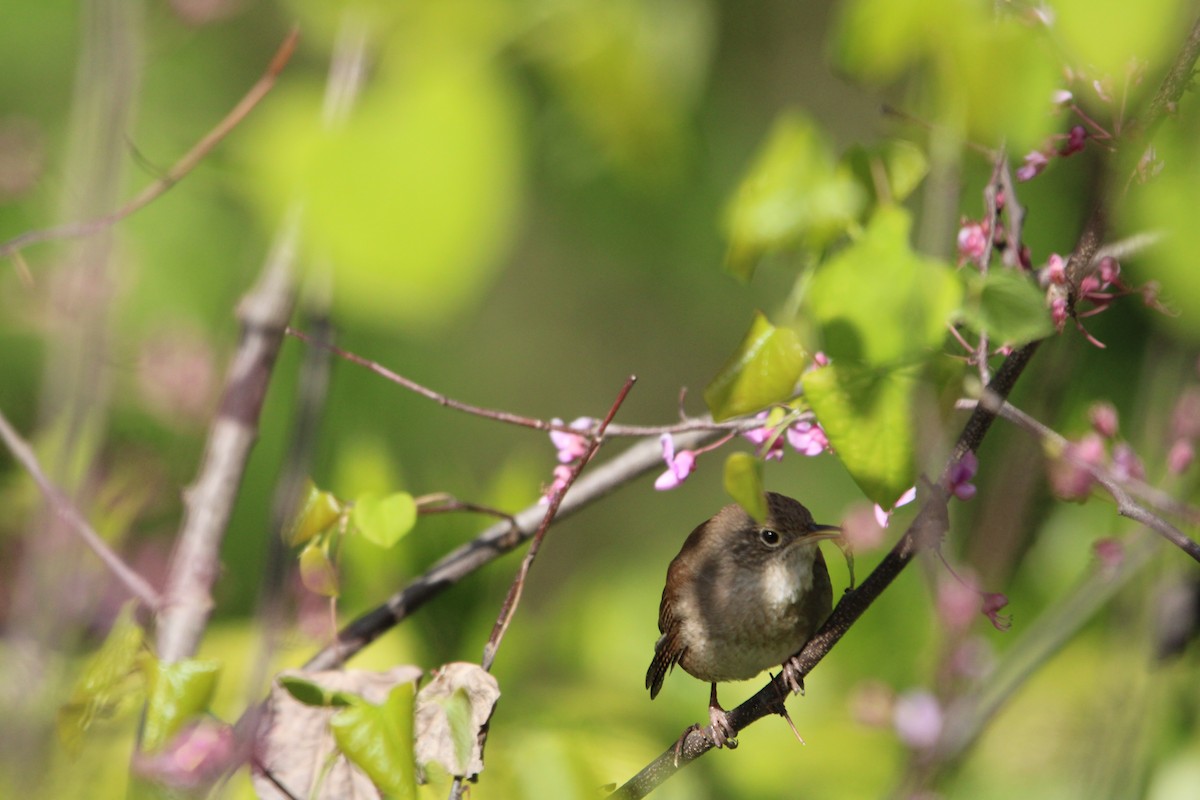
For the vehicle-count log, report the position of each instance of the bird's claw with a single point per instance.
(719, 730)
(793, 677)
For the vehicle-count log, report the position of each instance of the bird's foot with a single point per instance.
(719, 730)
(683, 738)
(793, 676)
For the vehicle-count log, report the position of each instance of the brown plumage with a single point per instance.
(741, 597)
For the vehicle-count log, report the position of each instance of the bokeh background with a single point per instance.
(523, 206)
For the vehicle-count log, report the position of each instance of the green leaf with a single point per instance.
(763, 370)
(902, 165)
(743, 482)
(317, 572)
(318, 512)
(385, 520)
(379, 739)
(178, 693)
(313, 694)
(867, 414)
(795, 194)
(989, 75)
(1012, 309)
(427, 165)
(110, 677)
(877, 302)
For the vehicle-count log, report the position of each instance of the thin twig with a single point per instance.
(264, 313)
(1112, 483)
(176, 173)
(968, 714)
(695, 424)
(494, 542)
(61, 505)
(509, 608)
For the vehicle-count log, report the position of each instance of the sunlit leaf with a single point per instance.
(413, 196)
(318, 511)
(317, 572)
(178, 692)
(1011, 308)
(992, 75)
(311, 693)
(379, 739)
(795, 193)
(763, 370)
(877, 302)
(743, 482)
(385, 520)
(900, 165)
(110, 677)
(867, 414)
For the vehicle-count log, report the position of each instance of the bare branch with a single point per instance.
(494, 542)
(62, 506)
(177, 172)
(704, 423)
(509, 607)
(264, 314)
(1113, 484)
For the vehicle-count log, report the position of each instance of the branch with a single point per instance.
(177, 172)
(61, 505)
(509, 608)
(494, 542)
(967, 715)
(695, 424)
(1113, 484)
(264, 314)
(924, 532)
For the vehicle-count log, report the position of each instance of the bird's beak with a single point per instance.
(822, 532)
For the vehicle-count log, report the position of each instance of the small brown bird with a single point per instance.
(742, 596)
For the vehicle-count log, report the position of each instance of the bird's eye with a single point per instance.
(769, 537)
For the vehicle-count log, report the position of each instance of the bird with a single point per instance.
(741, 596)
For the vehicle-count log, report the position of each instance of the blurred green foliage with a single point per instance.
(528, 201)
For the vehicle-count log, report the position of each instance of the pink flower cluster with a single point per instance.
(804, 435)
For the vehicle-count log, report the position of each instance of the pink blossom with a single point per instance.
(958, 477)
(198, 755)
(1058, 310)
(1126, 464)
(679, 465)
(807, 438)
(1055, 271)
(1185, 417)
(1033, 165)
(562, 474)
(884, 517)
(820, 359)
(1104, 419)
(571, 446)
(917, 717)
(761, 436)
(1180, 457)
(1110, 552)
(1109, 270)
(1070, 476)
(1062, 97)
(957, 604)
(993, 602)
(972, 241)
(861, 529)
(1076, 140)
